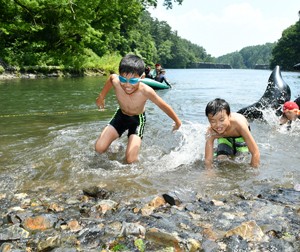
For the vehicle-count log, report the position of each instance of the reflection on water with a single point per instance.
(48, 129)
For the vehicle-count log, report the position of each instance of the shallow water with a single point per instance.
(48, 128)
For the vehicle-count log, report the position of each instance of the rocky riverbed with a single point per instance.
(92, 219)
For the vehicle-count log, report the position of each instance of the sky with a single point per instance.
(226, 26)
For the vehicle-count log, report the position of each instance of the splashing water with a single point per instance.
(56, 150)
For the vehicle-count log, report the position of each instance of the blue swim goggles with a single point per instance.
(131, 81)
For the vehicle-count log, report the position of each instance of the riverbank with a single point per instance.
(93, 220)
(55, 73)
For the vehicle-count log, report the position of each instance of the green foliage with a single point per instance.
(110, 63)
(87, 34)
(64, 32)
(78, 34)
(2, 70)
(286, 53)
(234, 59)
(257, 55)
(249, 56)
(167, 3)
(170, 50)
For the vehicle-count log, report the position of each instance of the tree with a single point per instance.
(73, 32)
(63, 31)
(287, 51)
(167, 3)
(257, 55)
(156, 42)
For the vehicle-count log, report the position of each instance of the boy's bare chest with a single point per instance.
(132, 104)
(233, 132)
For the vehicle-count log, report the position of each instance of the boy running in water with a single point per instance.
(132, 96)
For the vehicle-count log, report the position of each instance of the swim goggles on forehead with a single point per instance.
(131, 81)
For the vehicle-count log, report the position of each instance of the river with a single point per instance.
(48, 128)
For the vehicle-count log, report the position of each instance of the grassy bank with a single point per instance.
(100, 66)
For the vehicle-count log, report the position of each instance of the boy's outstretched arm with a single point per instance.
(100, 100)
(171, 113)
(166, 108)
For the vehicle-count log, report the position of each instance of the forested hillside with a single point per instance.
(249, 57)
(80, 34)
(285, 52)
(88, 34)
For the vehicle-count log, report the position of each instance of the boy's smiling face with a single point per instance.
(219, 122)
(129, 82)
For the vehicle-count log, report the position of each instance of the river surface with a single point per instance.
(48, 128)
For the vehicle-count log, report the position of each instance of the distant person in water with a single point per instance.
(156, 71)
(132, 96)
(232, 132)
(161, 77)
(148, 72)
(290, 112)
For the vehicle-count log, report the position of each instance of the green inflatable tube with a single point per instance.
(155, 84)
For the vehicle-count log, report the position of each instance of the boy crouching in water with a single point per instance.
(232, 132)
(132, 96)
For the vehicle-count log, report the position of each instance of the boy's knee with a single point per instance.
(99, 148)
(130, 159)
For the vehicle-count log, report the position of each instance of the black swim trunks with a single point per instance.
(134, 124)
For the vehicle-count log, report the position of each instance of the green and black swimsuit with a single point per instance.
(231, 146)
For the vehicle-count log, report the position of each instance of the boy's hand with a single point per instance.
(254, 164)
(100, 102)
(176, 126)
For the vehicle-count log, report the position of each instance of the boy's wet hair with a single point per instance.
(132, 64)
(217, 105)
